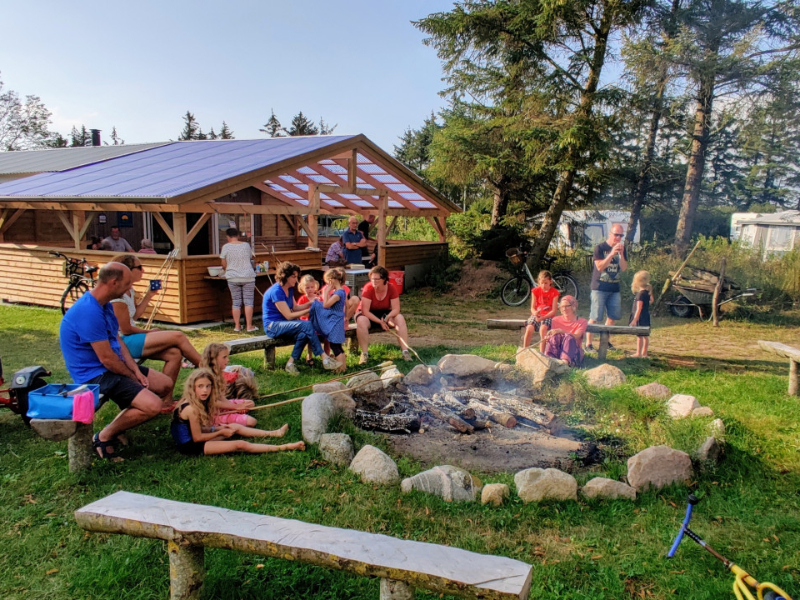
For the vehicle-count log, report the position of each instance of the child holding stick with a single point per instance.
(544, 306)
(193, 431)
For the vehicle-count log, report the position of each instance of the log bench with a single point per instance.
(785, 351)
(79, 436)
(402, 565)
(268, 344)
(604, 330)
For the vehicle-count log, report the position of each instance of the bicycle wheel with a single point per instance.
(515, 291)
(566, 285)
(71, 295)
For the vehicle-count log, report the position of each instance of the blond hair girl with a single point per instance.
(640, 312)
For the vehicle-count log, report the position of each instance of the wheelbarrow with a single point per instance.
(696, 292)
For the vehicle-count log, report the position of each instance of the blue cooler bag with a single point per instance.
(53, 402)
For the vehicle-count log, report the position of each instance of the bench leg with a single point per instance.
(79, 448)
(354, 349)
(186, 571)
(391, 589)
(269, 357)
(601, 351)
(794, 388)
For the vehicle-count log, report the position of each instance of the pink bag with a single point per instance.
(83, 407)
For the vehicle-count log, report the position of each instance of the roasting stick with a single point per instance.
(163, 274)
(402, 341)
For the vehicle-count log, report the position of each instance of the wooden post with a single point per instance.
(794, 388)
(313, 211)
(603, 349)
(717, 291)
(269, 357)
(181, 234)
(391, 589)
(79, 448)
(383, 202)
(78, 221)
(186, 571)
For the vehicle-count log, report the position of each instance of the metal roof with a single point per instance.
(179, 168)
(61, 159)
(788, 218)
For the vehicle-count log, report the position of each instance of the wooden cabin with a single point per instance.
(184, 195)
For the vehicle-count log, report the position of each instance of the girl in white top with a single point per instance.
(236, 258)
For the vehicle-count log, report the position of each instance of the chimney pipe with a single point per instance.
(95, 137)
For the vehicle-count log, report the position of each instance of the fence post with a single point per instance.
(717, 290)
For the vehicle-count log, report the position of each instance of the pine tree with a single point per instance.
(225, 132)
(273, 127)
(302, 126)
(324, 128)
(191, 128)
(115, 139)
(212, 135)
(80, 138)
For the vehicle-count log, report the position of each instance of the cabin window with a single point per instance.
(780, 239)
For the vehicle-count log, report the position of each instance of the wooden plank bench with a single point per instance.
(604, 330)
(402, 565)
(268, 344)
(785, 351)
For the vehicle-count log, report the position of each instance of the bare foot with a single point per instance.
(280, 432)
(296, 446)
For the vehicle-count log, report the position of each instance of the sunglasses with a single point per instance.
(140, 267)
(617, 234)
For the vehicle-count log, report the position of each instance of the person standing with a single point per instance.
(236, 258)
(115, 243)
(147, 247)
(369, 258)
(610, 259)
(353, 242)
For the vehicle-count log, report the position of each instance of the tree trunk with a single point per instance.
(499, 204)
(696, 166)
(575, 153)
(643, 185)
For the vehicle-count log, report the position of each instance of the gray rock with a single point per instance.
(543, 368)
(717, 429)
(466, 365)
(654, 390)
(375, 466)
(536, 485)
(367, 383)
(447, 482)
(710, 451)
(391, 376)
(681, 406)
(494, 494)
(601, 487)
(336, 448)
(342, 400)
(422, 375)
(316, 411)
(658, 466)
(703, 411)
(605, 376)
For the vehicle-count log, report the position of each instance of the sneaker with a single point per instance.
(292, 369)
(329, 364)
(364, 358)
(589, 348)
(407, 356)
(611, 346)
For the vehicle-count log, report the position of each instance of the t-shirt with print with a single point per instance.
(237, 256)
(84, 323)
(368, 291)
(543, 301)
(608, 280)
(275, 294)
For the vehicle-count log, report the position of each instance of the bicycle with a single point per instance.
(517, 290)
(75, 270)
(743, 580)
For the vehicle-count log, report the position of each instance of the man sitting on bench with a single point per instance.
(94, 354)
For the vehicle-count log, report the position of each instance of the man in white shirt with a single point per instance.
(117, 243)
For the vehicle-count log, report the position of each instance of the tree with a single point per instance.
(225, 133)
(302, 126)
(273, 127)
(80, 138)
(325, 128)
(23, 125)
(191, 128)
(211, 135)
(115, 139)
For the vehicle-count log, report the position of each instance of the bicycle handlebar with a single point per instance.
(692, 501)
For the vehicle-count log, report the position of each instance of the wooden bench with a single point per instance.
(268, 344)
(604, 330)
(79, 447)
(785, 351)
(402, 565)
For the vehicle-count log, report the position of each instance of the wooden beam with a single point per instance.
(167, 229)
(383, 202)
(276, 194)
(197, 227)
(422, 212)
(313, 203)
(65, 221)
(86, 224)
(338, 189)
(374, 182)
(78, 219)
(352, 170)
(309, 182)
(88, 206)
(8, 222)
(180, 232)
(302, 224)
(391, 225)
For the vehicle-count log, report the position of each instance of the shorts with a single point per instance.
(378, 313)
(119, 388)
(232, 417)
(192, 448)
(134, 343)
(240, 292)
(537, 324)
(609, 303)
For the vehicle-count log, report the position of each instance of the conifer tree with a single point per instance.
(301, 125)
(115, 139)
(80, 137)
(273, 127)
(191, 128)
(225, 133)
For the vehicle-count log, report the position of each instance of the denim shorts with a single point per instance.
(605, 302)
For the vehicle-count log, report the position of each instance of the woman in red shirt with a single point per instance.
(565, 338)
(380, 303)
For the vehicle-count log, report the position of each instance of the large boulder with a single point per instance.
(447, 482)
(658, 466)
(317, 410)
(494, 494)
(466, 365)
(336, 448)
(543, 368)
(367, 383)
(601, 487)
(422, 375)
(605, 376)
(342, 400)
(655, 390)
(710, 451)
(391, 376)
(681, 406)
(375, 466)
(536, 485)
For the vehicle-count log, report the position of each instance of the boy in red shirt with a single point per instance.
(544, 306)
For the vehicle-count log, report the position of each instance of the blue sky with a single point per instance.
(141, 65)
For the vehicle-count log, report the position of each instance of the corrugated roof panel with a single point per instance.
(371, 168)
(395, 204)
(386, 178)
(62, 159)
(399, 187)
(168, 171)
(423, 204)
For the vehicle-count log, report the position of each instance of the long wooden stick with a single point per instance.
(163, 273)
(381, 367)
(402, 341)
(670, 280)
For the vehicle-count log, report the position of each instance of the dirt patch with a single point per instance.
(479, 278)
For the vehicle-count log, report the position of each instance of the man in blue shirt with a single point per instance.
(94, 353)
(353, 241)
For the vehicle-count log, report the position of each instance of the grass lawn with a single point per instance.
(750, 509)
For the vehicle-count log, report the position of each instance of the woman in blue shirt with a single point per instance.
(281, 320)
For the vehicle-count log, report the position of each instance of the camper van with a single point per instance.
(579, 229)
(775, 233)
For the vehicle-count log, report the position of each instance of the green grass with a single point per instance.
(580, 550)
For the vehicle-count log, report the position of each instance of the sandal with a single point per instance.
(102, 449)
(187, 365)
(168, 408)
